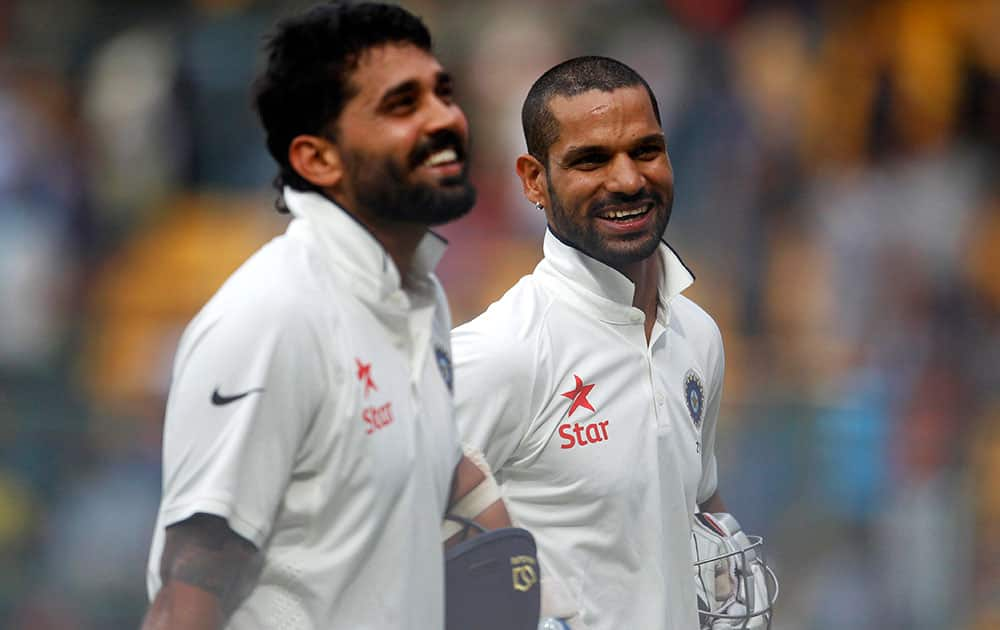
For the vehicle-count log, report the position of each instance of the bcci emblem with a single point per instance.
(524, 573)
(444, 365)
(694, 395)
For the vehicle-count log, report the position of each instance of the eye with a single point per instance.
(401, 104)
(648, 152)
(589, 161)
(445, 91)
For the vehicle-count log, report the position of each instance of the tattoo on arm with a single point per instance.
(202, 551)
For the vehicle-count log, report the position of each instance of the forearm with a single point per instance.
(473, 475)
(495, 516)
(474, 495)
(713, 503)
(182, 606)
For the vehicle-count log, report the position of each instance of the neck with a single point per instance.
(400, 239)
(645, 275)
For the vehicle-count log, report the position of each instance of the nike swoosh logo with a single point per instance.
(219, 400)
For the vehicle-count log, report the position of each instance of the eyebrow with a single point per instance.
(410, 85)
(576, 152)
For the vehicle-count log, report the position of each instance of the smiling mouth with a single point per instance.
(442, 157)
(626, 214)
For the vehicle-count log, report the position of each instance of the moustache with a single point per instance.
(444, 139)
(616, 200)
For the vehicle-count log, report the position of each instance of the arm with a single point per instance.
(492, 410)
(469, 478)
(206, 570)
(713, 503)
(708, 498)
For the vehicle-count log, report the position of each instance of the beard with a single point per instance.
(382, 187)
(582, 233)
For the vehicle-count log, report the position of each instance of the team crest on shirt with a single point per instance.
(444, 366)
(694, 396)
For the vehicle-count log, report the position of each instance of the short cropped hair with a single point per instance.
(310, 58)
(570, 78)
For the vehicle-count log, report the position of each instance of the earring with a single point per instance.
(538, 204)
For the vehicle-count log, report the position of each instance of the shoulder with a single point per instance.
(273, 295)
(694, 321)
(515, 318)
(701, 334)
(509, 332)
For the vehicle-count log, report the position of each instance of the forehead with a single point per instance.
(608, 119)
(385, 66)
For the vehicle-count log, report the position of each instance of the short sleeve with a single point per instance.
(247, 384)
(709, 468)
(493, 381)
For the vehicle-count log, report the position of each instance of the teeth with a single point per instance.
(624, 214)
(442, 157)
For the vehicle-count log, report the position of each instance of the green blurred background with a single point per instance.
(836, 195)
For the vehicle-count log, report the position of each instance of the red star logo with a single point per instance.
(579, 396)
(365, 375)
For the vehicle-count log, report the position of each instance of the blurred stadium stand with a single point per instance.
(837, 196)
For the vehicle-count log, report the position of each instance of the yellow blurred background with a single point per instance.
(837, 196)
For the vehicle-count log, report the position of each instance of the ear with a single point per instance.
(317, 160)
(532, 174)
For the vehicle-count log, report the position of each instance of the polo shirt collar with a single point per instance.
(581, 272)
(354, 250)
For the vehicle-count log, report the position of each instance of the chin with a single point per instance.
(629, 253)
(455, 182)
(449, 204)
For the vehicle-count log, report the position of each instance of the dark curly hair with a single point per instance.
(309, 61)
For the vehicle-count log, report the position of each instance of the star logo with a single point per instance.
(579, 396)
(365, 376)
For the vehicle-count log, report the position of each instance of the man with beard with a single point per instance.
(592, 386)
(309, 449)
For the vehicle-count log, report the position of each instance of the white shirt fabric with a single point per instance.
(337, 465)
(609, 506)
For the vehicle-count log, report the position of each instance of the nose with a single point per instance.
(624, 176)
(445, 114)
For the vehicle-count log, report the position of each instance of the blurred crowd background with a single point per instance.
(837, 196)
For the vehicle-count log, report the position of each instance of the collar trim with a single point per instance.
(353, 248)
(585, 276)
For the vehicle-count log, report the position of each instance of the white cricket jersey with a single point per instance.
(603, 444)
(311, 408)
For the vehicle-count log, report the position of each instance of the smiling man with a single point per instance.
(310, 450)
(593, 386)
